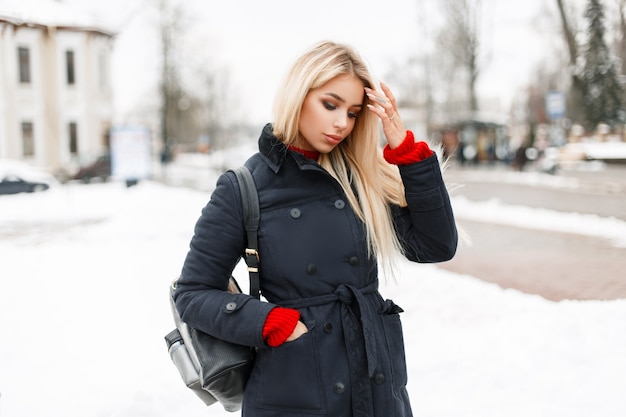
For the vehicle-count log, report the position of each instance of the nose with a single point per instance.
(341, 122)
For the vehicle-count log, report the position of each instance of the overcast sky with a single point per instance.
(257, 40)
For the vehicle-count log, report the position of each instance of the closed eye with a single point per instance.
(330, 106)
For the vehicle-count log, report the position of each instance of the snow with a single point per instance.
(83, 310)
(493, 211)
(599, 150)
(48, 13)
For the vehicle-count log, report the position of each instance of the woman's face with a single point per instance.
(329, 113)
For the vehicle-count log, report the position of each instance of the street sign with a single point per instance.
(131, 158)
(555, 104)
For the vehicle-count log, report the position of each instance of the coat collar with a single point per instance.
(274, 152)
(271, 148)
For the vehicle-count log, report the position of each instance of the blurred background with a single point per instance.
(117, 116)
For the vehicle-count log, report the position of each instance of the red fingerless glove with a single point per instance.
(279, 324)
(408, 152)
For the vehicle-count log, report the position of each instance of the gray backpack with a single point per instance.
(216, 370)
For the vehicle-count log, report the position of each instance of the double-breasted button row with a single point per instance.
(296, 213)
(312, 268)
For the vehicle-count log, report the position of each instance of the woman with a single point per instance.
(333, 208)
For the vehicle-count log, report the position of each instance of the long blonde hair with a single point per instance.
(357, 162)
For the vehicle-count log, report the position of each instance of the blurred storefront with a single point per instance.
(474, 141)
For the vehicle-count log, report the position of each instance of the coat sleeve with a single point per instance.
(426, 227)
(215, 248)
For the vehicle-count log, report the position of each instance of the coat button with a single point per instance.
(311, 269)
(340, 204)
(354, 261)
(231, 306)
(295, 213)
(379, 379)
(328, 327)
(339, 388)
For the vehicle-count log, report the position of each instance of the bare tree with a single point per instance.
(171, 92)
(459, 39)
(194, 96)
(215, 104)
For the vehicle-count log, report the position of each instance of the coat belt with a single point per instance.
(351, 298)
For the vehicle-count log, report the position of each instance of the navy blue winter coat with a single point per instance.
(313, 258)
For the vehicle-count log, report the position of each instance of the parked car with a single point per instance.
(12, 184)
(98, 169)
(21, 177)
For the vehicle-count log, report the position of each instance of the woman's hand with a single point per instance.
(383, 104)
(299, 330)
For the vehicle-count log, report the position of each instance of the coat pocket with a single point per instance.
(395, 347)
(290, 376)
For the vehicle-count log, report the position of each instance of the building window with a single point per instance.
(70, 67)
(28, 139)
(73, 137)
(24, 63)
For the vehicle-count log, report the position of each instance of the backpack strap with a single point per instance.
(251, 216)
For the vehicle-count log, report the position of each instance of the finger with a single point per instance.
(392, 110)
(377, 110)
(377, 98)
(382, 105)
(389, 94)
(383, 115)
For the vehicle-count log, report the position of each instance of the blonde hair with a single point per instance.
(357, 162)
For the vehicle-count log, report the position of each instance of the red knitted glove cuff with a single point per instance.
(279, 325)
(408, 152)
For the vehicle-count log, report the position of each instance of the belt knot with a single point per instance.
(344, 294)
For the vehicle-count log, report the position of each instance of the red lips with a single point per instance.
(334, 138)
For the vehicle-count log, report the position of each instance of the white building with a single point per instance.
(56, 104)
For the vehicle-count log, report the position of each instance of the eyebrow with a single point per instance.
(342, 100)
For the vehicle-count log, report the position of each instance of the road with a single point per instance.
(554, 265)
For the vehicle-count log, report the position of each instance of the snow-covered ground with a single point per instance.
(83, 310)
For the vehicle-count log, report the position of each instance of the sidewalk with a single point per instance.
(555, 265)
(589, 177)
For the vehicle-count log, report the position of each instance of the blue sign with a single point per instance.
(131, 156)
(555, 104)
